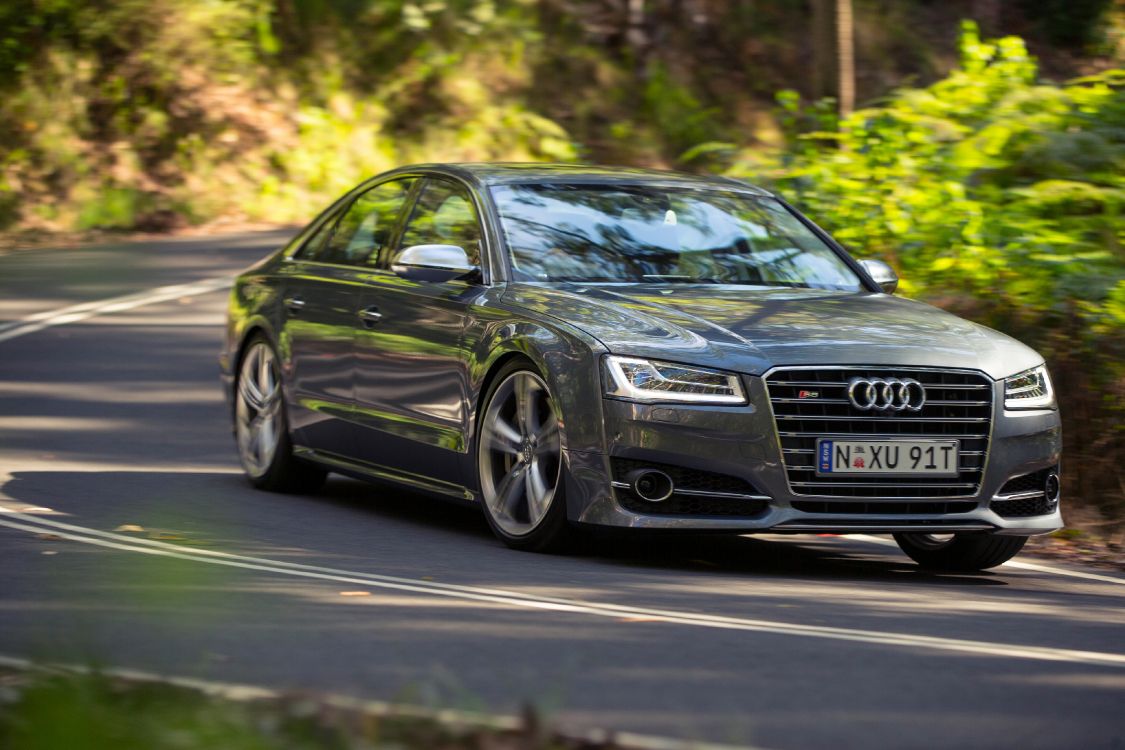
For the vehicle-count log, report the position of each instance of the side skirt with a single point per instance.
(384, 474)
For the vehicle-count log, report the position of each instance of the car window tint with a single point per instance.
(366, 227)
(313, 245)
(658, 234)
(444, 215)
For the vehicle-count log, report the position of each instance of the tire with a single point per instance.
(519, 461)
(261, 426)
(960, 552)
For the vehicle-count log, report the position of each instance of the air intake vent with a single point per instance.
(1025, 496)
(696, 492)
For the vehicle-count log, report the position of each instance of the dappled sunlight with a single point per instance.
(1066, 680)
(149, 523)
(111, 393)
(892, 601)
(8, 506)
(202, 319)
(42, 423)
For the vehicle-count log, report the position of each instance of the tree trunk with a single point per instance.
(987, 14)
(845, 52)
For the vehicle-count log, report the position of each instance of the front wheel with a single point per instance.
(262, 429)
(960, 552)
(519, 461)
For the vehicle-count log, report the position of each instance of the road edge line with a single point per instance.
(573, 606)
(84, 311)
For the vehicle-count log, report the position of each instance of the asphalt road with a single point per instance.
(129, 538)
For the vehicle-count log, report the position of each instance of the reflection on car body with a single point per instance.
(570, 346)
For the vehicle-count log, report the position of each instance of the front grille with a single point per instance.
(958, 405)
(882, 508)
(697, 480)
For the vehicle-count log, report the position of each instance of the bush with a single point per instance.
(999, 197)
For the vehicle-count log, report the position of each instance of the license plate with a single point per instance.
(931, 458)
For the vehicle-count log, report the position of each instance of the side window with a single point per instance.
(312, 246)
(444, 215)
(366, 227)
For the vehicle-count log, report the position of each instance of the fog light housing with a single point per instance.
(1052, 489)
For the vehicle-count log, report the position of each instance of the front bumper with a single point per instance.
(741, 441)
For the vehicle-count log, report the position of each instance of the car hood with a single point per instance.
(751, 329)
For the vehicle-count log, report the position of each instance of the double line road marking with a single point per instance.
(38, 525)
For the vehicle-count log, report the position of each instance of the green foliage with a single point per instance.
(995, 195)
(147, 113)
(55, 709)
(986, 183)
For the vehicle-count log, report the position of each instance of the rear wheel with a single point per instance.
(261, 427)
(960, 552)
(519, 461)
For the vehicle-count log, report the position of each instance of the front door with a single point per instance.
(411, 389)
(322, 296)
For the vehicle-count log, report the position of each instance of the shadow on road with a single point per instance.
(349, 518)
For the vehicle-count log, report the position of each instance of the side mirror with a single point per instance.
(433, 262)
(881, 274)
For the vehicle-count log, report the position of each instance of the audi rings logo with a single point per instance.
(886, 394)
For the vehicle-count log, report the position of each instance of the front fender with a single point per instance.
(567, 358)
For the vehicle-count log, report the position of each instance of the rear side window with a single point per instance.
(360, 234)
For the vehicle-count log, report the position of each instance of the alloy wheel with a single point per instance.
(258, 421)
(519, 453)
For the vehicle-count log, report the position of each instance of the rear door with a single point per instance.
(411, 387)
(323, 292)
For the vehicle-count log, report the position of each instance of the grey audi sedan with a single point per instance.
(568, 346)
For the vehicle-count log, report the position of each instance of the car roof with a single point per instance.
(507, 173)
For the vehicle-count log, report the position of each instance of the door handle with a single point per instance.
(370, 316)
(294, 304)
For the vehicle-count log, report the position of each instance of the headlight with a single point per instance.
(1030, 389)
(648, 381)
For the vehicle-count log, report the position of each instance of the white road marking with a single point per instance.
(445, 716)
(1037, 567)
(75, 313)
(85, 535)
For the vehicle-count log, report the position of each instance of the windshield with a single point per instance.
(642, 233)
